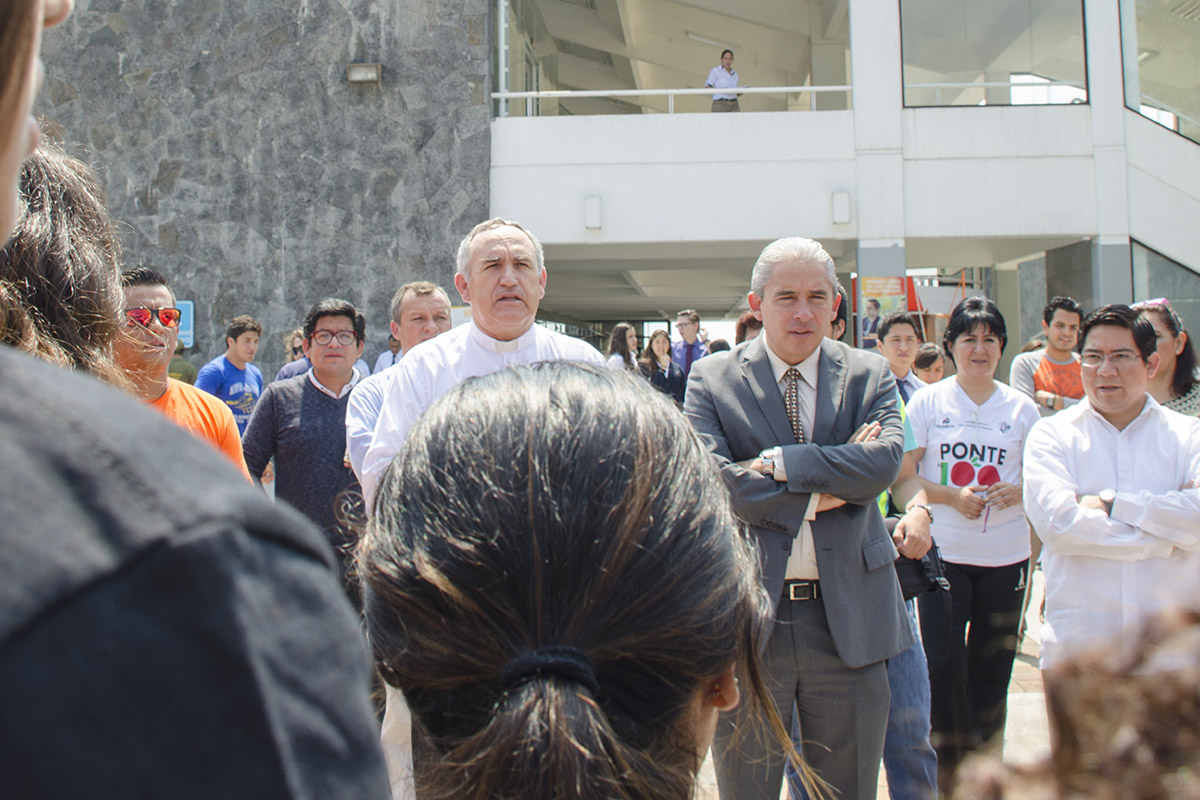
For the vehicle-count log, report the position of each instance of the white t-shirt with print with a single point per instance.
(967, 445)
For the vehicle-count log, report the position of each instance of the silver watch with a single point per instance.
(1107, 498)
(768, 462)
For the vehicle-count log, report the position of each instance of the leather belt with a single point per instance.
(801, 590)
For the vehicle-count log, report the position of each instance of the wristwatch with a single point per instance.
(1050, 401)
(1107, 497)
(768, 462)
(928, 510)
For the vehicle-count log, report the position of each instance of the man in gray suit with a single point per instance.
(807, 433)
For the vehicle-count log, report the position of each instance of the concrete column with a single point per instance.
(876, 260)
(878, 138)
(1112, 271)
(829, 69)
(1106, 97)
(1031, 276)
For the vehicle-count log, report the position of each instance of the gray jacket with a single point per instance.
(734, 403)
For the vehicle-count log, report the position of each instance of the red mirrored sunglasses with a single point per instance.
(167, 317)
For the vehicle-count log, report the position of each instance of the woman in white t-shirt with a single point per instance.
(970, 433)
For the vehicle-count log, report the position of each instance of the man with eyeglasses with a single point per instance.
(301, 422)
(690, 348)
(1110, 486)
(144, 349)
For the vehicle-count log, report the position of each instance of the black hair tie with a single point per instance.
(563, 662)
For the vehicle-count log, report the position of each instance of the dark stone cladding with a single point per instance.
(240, 163)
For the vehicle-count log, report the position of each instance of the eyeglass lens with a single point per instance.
(167, 317)
(344, 338)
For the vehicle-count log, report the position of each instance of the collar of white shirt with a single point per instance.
(910, 380)
(1151, 407)
(354, 376)
(807, 367)
(497, 346)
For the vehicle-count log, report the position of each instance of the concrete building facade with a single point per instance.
(1016, 149)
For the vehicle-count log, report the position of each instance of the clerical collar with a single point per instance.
(497, 346)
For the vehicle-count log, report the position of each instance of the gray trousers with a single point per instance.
(843, 714)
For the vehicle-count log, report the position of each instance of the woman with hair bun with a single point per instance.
(554, 579)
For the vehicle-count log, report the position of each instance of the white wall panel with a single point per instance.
(999, 197)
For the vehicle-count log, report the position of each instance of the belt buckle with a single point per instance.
(804, 590)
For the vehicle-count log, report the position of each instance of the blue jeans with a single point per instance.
(908, 757)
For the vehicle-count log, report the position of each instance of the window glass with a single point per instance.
(1155, 275)
(993, 52)
(614, 49)
(1160, 43)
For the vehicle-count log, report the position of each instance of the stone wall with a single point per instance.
(241, 163)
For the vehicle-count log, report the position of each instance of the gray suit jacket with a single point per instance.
(734, 403)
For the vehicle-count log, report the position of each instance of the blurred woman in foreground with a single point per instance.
(60, 290)
(554, 579)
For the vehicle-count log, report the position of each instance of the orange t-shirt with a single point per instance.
(205, 416)
(1063, 380)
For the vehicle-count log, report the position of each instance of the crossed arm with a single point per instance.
(1143, 524)
(854, 472)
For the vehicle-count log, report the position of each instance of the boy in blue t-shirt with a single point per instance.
(231, 376)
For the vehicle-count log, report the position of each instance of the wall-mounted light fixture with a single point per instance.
(841, 208)
(591, 213)
(363, 73)
(702, 39)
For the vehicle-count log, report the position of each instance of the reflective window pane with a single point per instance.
(993, 52)
(626, 54)
(1156, 275)
(1160, 40)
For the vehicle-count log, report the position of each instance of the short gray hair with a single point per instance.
(464, 247)
(794, 249)
(419, 288)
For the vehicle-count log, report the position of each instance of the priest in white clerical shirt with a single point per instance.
(501, 273)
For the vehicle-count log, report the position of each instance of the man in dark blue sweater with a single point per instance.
(301, 421)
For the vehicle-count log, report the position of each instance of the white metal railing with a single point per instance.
(670, 94)
(937, 87)
(1154, 103)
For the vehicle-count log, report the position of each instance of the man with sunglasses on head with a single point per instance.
(301, 422)
(1110, 486)
(149, 330)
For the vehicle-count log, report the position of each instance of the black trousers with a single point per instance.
(969, 675)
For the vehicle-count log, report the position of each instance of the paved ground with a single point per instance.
(1026, 735)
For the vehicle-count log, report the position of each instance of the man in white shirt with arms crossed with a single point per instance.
(1110, 486)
